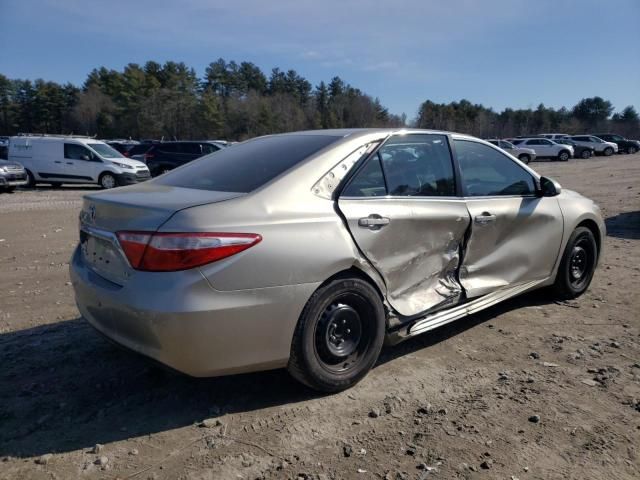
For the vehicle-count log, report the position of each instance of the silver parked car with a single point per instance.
(308, 250)
(600, 146)
(525, 155)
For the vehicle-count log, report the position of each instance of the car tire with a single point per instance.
(631, 150)
(524, 158)
(31, 181)
(107, 180)
(7, 189)
(564, 156)
(577, 265)
(586, 154)
(339, 335)
(608, 152)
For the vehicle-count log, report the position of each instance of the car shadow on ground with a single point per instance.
(624, 225)
(63, 387)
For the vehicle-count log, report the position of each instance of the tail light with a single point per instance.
(168, 252)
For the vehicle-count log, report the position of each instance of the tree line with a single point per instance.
(238, 101)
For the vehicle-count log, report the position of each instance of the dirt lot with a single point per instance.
(455, 403)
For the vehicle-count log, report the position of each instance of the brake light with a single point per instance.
(167, 252)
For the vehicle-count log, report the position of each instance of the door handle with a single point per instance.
(485, 218)
(69, 163)
(374, 221)
(57, 161)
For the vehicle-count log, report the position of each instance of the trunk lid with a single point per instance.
(142, 207)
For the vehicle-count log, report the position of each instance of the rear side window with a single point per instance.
(192, 148)
(407, 166)
(248, 165)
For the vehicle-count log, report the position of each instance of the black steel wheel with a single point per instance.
(339, 335)
(578, 264)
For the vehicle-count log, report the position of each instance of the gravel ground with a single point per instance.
(530, 389)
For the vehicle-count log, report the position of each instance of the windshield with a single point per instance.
(104, 150)
(248, 165)
(506, 144)
(596, 140)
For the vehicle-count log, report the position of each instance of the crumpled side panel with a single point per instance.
(417, 253)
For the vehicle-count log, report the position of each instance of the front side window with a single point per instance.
(208, 148)
(488, 172)
(73, 151)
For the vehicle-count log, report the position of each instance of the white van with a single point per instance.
(67, 159)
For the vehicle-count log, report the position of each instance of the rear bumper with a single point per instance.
(178, 319)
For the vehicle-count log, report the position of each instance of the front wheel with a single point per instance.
(578, 264)
(631, 150)
(339, 335)
(586, 154)
(524, 158)
(608, 152)
(563, 156)
(107, 180)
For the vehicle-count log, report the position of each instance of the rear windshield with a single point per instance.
(246, 166)
(105, 150)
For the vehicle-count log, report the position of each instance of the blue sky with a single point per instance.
(499, 53)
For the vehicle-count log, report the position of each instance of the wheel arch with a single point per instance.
(593, 226)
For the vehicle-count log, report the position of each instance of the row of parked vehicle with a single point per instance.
(58, 159)
(560, 146)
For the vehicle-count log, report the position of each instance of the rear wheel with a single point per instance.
(608, 152)
(578, 264)
(586, 153)
(339, 335)
(107, 180)
(7, 189)
(563, 156)
(524, 158)
(631, 150)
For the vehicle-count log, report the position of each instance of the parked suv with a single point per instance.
(525, 155)
(545, 148)
(163, 157)
(579, 151)
(624, 144)
(553, 136)
(601, 147)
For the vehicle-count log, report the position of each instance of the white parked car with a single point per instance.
(65, 159)
(600, 146)
(545, 148)
(525, 155)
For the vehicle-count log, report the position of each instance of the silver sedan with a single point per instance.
(309, 250)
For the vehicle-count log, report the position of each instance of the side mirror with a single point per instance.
(549, 187)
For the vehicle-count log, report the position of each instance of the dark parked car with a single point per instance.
(579, 151)
(163, 157)
(624, 144)
(122, 147)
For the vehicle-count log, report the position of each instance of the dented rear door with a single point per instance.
(403, 213)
